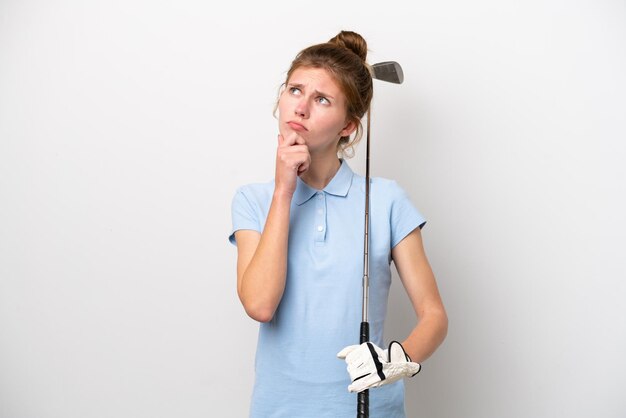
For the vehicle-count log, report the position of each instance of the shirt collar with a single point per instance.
(338, 186)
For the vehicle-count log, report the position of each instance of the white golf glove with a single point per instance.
(370, 366)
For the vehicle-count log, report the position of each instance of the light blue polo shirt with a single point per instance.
(297, 372)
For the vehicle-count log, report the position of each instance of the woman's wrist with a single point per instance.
(282, 195)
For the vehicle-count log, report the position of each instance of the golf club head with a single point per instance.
(389, 71)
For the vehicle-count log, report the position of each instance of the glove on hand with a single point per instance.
(369, 366)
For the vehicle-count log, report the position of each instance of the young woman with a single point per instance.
(299, 242)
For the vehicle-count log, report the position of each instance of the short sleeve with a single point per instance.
(404, 215)
(244, 215)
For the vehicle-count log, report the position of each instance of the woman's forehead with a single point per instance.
(316, 78)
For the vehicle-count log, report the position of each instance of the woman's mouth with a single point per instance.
(297, 127)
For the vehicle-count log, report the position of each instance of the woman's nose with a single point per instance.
(301, 109)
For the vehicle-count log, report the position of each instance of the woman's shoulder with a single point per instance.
(256, 188)
(384, 186)
(259, 193)
(384, 192)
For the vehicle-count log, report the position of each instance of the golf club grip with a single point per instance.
(363, 398)
(363, 404)
(365, 332)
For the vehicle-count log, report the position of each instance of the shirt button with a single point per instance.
(320, 228)
(319, 196)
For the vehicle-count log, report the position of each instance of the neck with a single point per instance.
(321, 171)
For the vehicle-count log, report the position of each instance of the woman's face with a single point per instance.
(313, 106)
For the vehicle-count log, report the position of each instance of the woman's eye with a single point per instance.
(324, 100)
(294, 90)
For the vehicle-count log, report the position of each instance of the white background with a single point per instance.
(126, 126)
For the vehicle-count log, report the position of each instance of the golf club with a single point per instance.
(391, 72)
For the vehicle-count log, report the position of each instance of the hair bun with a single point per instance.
(352, 41)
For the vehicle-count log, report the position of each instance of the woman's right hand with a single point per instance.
(292, 159)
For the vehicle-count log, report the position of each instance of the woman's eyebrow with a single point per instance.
(320, 93)
(297, 85)
(301, 87)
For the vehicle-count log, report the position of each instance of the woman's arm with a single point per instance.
(419, 281)
(262, 261)
(262, 258)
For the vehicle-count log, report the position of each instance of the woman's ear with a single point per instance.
(349, 128)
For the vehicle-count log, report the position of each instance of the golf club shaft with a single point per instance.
(363, 397)
(389, 71)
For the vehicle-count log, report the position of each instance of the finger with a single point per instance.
(305, 165)
(298, 149)
(357, 356)
(288, 140)
(346, 350)
(294, 138)
(367, 382)
(356, 388)
(293, 156)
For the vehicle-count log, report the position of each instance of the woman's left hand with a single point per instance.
(370, 366)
